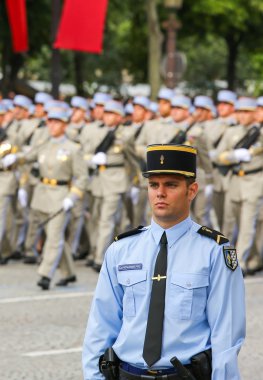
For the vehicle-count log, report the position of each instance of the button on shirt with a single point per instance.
(204, 305)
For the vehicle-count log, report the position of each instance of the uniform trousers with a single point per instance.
(6, 224)
(109, 218)
(246, 215)
(56, 251)
(77, 233)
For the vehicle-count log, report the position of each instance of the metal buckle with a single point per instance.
(241, 173)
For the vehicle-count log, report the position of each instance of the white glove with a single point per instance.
(209, 190)
(242, 154)
(212, 154)
(135, 192)
(99, 158)
(9, 160)
(67, 204)
(22, 197)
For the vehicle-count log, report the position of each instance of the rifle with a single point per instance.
(246, 142)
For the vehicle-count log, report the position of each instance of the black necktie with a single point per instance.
(153, 338)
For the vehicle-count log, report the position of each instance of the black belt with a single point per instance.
(241, 173)
(149, 376)
(112, 166)
(54, 182)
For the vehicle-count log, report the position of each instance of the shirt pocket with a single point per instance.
(134, 285)
(189, 294)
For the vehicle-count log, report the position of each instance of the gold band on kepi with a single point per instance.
(171, 159)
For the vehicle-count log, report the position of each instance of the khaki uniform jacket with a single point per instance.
(246, 187)
(8, 180)
(215, 130)
(115, 179)
(73, 131)
(158, 131)
(60, 160)
(196, 137)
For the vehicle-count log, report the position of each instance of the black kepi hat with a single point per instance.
(171, 159)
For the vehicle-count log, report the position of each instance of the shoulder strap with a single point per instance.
(135, 231)
(107, 142)
(213, 234)
(249, 139)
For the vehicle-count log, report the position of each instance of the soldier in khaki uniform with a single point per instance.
(8, 190)
(63, 180)
(114, 161)
(90, 133)
(138, 195)
(215, 130)
(256, 263)
(78, 238)
(241, 149)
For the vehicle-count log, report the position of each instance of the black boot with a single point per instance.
(66, 281)
(44, 283)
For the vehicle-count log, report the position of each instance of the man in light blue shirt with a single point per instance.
(203, 304)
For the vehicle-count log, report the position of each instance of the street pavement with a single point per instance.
(42, 332)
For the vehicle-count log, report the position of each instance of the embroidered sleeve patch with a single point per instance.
(230, 256)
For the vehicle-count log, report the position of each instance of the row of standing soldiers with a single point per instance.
(70, 175)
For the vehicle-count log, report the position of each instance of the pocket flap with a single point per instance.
(190, 280)
(131, 277)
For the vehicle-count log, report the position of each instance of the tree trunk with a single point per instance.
(79, 59)
(154, 47)
(233, 47)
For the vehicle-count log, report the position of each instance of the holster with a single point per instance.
(201, 365)
(109, 365)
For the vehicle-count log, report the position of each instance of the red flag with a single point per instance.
(81, 26)
(16, 11)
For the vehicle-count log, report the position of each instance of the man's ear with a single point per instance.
(192, 190)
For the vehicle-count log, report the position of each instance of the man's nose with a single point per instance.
(161, 192)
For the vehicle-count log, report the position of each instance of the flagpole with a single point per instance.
(56, 73)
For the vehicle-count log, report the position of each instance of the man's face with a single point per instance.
(245, 117)
(39, 110)
(201, 114)
(259, 115)
(56, 127)
(164, 107)
(139, 113)
(170, 198)
(21, 113)
(98, 112)
(179, 114)
(78, 115)
(225, 109)
(111, 119)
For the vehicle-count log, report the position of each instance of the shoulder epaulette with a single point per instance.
(135, 231)
(213, 234)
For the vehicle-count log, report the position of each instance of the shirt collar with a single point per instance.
(58, 140)
(173, 233)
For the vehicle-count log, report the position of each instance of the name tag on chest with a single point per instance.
(130, 267)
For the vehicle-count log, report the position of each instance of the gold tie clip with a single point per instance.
(159, 277)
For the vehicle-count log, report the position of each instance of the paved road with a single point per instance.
(41, 332)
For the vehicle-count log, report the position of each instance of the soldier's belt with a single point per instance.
(5, 169)
(103, 167)
(241, 173)
(54, 182)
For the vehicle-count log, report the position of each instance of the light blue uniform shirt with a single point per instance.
(204, 305)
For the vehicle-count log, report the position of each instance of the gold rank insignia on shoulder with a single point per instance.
(230, 256)
(213, 234)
